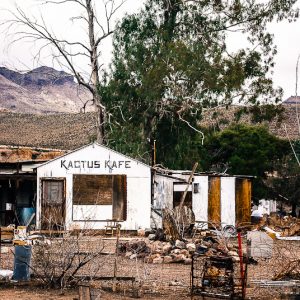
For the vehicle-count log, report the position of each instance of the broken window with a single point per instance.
(53, 204)
(178, 191)
(102, 190)
(53, 191)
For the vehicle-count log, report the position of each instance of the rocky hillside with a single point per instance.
(55, 131)
(42, 91)
(282, 124)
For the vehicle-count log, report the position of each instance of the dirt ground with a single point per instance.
(158, 281)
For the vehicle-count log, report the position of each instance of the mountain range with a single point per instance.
(43, 90)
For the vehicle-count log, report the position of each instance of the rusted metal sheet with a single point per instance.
(214, 199)
(11, 154)
(243, 190)
(119, 197)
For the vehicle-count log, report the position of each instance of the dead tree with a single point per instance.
(24, 27)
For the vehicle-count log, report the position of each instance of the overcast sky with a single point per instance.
(20, 55)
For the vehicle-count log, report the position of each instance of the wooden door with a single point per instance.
(53, 204)
(119, 197)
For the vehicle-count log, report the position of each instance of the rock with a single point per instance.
(175, 283)
(235, 258)
(158, 260)
(141, 232)
(188, 261)
(178, 258)
(210, 239)
(159, 251)
(139, 246)
(148, 260)
(142, 255)
(168, 259)
(167, 248)
(175, 251)
(215, 246)
(160, 235)
(209, 252)
(184, 252)
(133, 256)
(201, 249)
(230, 246)
(128, 254)
(148, 231)
(4, 250)
(156, 255)
(191, 247)
(232, 253)
(197, 241)
(180, 244)
(151, 236)
(222, 248)
(207, 244)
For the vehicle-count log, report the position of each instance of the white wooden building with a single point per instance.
(220, 199)
(93, 184)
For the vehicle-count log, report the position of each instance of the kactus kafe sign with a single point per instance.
(95, 164)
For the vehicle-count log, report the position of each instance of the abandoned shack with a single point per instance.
(220, 199)
(18, 181)
(87, 187)
(91, 185)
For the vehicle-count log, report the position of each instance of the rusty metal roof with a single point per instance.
(11, 154)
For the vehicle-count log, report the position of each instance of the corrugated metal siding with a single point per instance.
(214, 199)
(243, 190)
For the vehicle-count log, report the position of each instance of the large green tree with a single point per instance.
(247, 150)
(171, 60)
(285, 185)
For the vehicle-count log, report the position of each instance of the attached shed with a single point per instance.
(212, 197)
(91, 185)
(18, 181)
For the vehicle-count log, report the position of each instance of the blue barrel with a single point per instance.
(22, 263)
(25, 214)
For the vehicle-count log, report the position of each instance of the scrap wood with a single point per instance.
(290, 269)
(169, 225)
(188, 183)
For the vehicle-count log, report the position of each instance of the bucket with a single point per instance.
(22, 263)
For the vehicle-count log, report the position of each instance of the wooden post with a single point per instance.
(84, 292)
(114, 288)
(187, 187)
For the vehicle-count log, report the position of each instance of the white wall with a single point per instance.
(98, 160)
(228, 201)
(200, 199)
(164, 197)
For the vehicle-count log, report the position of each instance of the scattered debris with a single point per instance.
(6, 274)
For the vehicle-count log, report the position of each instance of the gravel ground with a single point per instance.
(160, 281)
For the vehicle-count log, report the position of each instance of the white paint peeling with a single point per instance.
(228, 201)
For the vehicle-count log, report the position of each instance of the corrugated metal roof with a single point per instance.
(292, 100)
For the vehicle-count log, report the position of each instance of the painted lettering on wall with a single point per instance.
(95, 164)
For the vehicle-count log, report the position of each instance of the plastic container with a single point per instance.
(21, 263)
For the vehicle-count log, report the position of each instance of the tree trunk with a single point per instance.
(100, 119)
